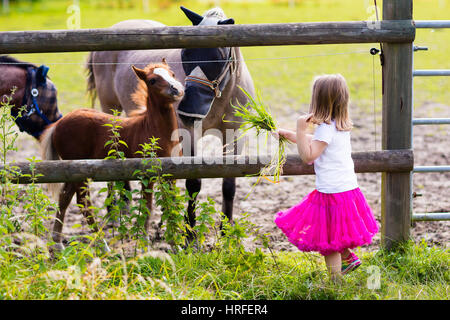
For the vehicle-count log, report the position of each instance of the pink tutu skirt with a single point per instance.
(329, 222)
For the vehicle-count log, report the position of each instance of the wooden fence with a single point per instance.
(195, 167)
(206, 36)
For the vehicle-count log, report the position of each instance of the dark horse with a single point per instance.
(82, 134)
(211, 76)
(33, 90)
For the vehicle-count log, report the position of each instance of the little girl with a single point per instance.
(335, 217)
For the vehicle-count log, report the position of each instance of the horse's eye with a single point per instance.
(152, 81)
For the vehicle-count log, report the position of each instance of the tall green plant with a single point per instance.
(31, 200)
(167, 194)
(36, 204)
(116, 201)
(147, 177)
(9, 191)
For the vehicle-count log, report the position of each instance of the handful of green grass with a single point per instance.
(256, 115)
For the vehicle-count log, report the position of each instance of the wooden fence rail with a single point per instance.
(197, 167)
(399, 31)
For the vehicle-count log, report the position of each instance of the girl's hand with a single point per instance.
(282, 133)
(302, 122)
(288, 134)
(275, 134)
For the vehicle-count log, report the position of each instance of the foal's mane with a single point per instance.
(141, 94)
(7, 60)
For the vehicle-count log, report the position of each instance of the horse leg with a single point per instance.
(65, 197)
(228, 192)
(229, 187)
(193, 186)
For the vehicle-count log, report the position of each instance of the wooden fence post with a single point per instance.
(396, 128)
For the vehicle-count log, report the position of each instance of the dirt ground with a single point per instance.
(430, 148)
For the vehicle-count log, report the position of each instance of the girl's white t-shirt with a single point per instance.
(334, 168)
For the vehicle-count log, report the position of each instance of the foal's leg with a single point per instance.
(127, 187)
(84, 200)
(148, 196)
(65, 197)
(113, 221)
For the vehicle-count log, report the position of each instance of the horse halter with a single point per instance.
(215, 84)
(34, 94)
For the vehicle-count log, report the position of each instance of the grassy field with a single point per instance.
(227, 271)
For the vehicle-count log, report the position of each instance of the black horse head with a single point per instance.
(38, 107)
(205, 69)
(40, 99)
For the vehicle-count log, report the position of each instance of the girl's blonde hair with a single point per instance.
(329, 101)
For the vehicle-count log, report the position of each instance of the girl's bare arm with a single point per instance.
(288, 134)
(308, 149)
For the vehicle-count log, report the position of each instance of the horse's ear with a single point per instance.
(194, 17)
(164, 61)
(226, 21)
(41, 74)
(141, 74)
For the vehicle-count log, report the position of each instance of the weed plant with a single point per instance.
(255, 114)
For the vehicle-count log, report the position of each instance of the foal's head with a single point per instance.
(159, 83)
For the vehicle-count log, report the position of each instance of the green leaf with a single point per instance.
(108, 143)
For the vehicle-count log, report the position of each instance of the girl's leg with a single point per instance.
(333, 262)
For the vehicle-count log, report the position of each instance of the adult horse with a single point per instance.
(33, 90)
(211, 76)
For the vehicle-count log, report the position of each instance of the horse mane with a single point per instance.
(140, 95)
(216, 13)
(7, 60)
(137, 112)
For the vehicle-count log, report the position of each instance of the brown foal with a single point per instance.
(82, 134)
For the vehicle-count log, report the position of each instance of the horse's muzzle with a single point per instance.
(196, 104)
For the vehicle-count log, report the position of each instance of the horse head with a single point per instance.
(160, 83)
(39, 96)
(206, 70)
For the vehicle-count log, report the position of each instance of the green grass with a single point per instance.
(283, 73)
(418, 272)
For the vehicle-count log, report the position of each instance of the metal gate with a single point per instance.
(429, 121)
